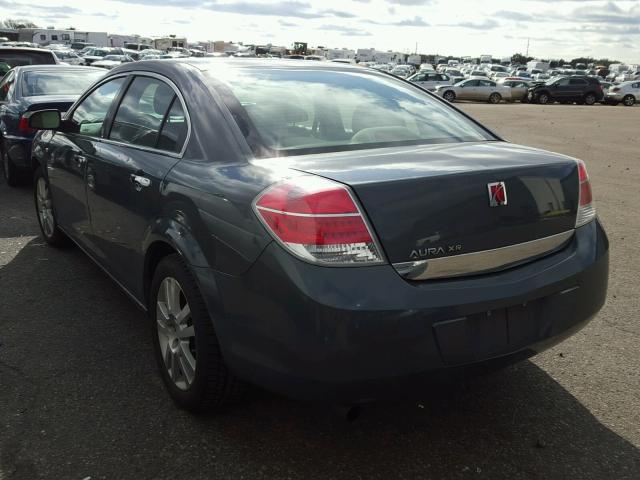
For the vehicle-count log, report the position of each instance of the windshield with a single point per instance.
(70, 82)
(294, 110)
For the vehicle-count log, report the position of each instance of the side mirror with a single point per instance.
(44, 120)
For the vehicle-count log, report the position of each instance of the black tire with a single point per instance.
(449, 96)
(589, 99)
(12, 174)
(51, 233)
(213, 385)
(543, 98)
(628, 100)
(495, 98)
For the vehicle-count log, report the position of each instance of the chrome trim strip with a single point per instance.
(481, 262)
(330, 215)
(136, 73)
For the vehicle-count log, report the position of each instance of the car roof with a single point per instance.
(40, 68)
(25, 49)
(213, 64)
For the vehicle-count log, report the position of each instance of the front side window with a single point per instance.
(295, 109)
(142, 112)
(90, 115)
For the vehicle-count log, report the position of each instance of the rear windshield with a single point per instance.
(71, 82)
(307, 111)
(18, 58)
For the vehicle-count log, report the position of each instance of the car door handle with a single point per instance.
(139, 181)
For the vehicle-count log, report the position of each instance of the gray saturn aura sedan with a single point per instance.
(325, 231)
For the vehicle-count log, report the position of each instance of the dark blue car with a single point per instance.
(28, 88)
(322, 230)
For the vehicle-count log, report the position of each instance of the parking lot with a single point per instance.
(80, 396)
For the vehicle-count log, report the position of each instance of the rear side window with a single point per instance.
(89, 116)
(150, 107)
(577, 81)
(174, 129)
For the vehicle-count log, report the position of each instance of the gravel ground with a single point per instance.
(79, 395)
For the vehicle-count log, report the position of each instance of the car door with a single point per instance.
(70, 149)
(124, 179)
(420, 78)
(9, 117)
(485, 88)
(561, 90)
(467, 90)
(577, 88)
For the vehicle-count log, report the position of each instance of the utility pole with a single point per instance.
(528, 46)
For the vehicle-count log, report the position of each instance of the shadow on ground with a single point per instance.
(79, 397)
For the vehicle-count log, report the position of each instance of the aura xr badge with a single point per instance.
(497, 194)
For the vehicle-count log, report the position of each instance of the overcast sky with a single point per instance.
(556, 28)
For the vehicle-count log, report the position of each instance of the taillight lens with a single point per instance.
(586, 205)
(319, 221)
(23, 125)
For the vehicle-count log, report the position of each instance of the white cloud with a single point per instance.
(556, 28)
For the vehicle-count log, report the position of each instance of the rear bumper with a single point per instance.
(357, 334)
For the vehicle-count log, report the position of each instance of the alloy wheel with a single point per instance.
(176, 333)
(45, 209)
(449, 96)
(628, 100)
(543, 99)
(590, 99)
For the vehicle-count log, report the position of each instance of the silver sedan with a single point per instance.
(628, 93)
(479, 89)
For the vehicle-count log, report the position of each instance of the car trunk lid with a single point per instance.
(434, 201)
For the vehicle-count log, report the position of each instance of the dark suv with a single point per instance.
(579, 89)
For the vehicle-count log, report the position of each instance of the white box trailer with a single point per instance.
(165, 43)
(537, 65)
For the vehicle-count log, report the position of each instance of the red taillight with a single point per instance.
(586, 205)
(318, 220)
(23, 125)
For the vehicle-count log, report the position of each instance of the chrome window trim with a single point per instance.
(137, 73)
(481, 262)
